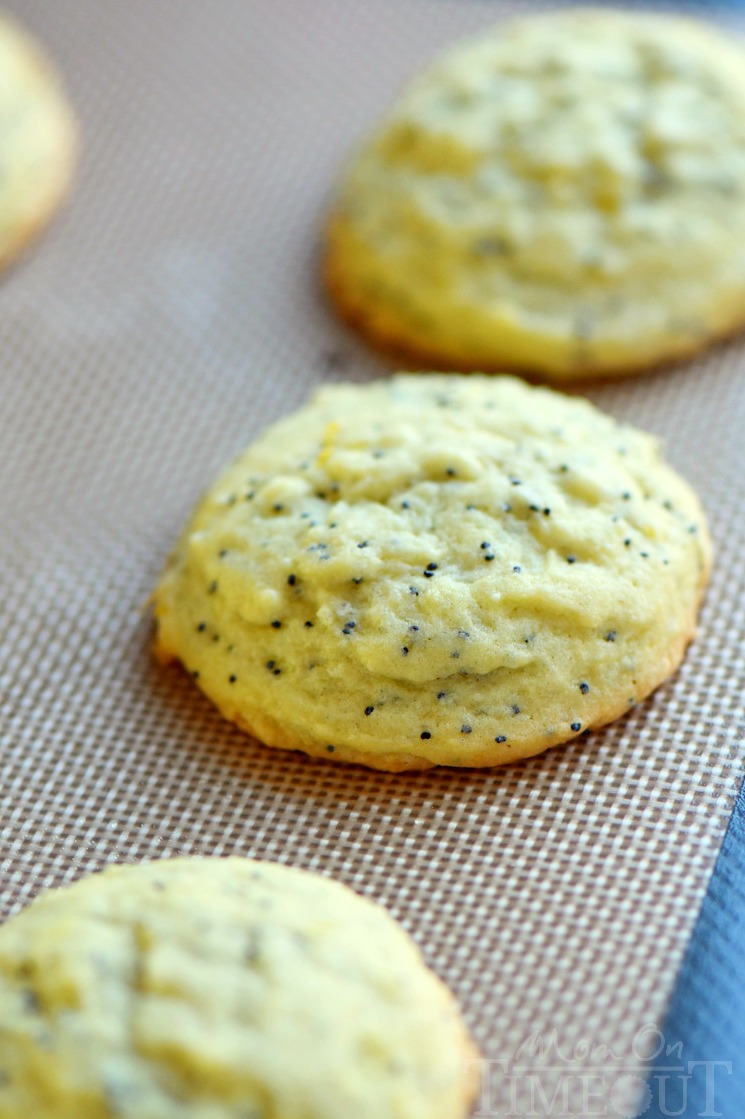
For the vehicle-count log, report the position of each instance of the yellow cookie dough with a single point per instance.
(38, 140)
(222, 989)
(436, 570)
(564, 194)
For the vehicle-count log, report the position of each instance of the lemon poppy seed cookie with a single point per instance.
(223, 989)
(436, 570)
(564, 194)
(38, 141)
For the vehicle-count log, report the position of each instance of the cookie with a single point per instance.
(563, 195)
(38, 141)
(223, 989)
(436, 570)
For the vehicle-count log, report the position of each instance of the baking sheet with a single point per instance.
(170, 314)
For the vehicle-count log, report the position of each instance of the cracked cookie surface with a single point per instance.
(564, 194)
(436, 570)
(222, 989)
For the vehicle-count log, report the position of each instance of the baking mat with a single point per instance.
(168, 316)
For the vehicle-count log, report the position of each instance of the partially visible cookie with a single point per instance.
(223, 989)
(564, 194)
(38, 140)
(436, 570)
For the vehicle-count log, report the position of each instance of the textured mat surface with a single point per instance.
(167, 317)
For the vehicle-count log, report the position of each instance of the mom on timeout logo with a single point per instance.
(548, 1080)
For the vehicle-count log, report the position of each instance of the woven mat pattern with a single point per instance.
(169, 315)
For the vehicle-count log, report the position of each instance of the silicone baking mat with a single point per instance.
(168, 316)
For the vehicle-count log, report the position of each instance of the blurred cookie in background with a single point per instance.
(563, 195)
(38, 140)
